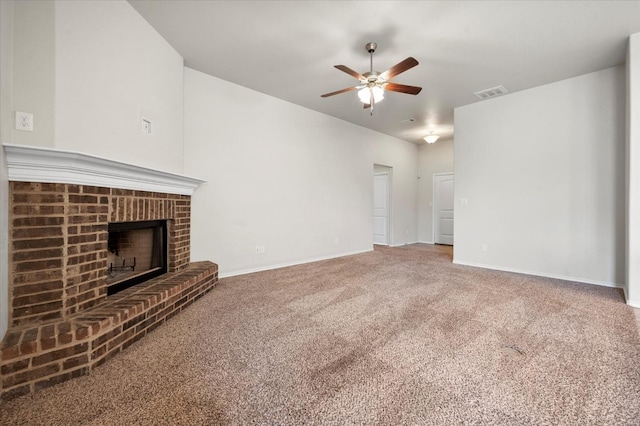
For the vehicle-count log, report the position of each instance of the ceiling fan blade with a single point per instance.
(399, 68)
(337, 92)
(365, 106)
(403, 88)
(351, 72)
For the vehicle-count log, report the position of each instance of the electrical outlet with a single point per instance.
(24, 121)
(484, 247)
(260, 250)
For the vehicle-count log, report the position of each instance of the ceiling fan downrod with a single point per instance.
(371, 47)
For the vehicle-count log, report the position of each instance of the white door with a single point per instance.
(443, 208)
(381, 208)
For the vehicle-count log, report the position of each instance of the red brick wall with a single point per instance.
(58, 243)
(86, 215)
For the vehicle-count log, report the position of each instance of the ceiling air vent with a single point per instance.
(491, 92)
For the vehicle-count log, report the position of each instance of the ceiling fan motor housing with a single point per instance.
(371, 75)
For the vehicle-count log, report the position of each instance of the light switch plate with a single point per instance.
(146, 126)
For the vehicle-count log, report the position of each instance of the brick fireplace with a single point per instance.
(63, 321)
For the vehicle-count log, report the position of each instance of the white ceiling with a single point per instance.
(287, 49)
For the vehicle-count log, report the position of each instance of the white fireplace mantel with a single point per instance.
(47, 165)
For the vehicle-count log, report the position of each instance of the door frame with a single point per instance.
(389, 173)
(433, 203)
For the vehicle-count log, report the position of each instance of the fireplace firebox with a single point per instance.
(137, 252)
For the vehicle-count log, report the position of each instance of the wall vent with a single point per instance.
(491, 92)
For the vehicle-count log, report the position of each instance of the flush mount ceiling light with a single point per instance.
(431, 138)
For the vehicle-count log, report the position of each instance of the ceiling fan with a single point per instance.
(374, 83)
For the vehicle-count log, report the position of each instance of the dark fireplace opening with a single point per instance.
(137, 252)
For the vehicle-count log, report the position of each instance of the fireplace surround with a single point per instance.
(64, 319)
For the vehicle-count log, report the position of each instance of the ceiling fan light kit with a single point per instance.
(374, 83)
(366, 93)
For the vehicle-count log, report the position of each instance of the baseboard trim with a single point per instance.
(427, 242)
(540, 274)
(633, 304)
(404, 244)
(286, 264)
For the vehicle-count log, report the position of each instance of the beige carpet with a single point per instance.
(395, 336)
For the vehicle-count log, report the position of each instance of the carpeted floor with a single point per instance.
(395, 336)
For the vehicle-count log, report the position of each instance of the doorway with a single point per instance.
(381, 181)
(443, 208)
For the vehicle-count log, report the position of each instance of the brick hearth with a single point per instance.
(62, 323)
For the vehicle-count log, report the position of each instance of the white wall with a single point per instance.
(89, 72)
(432, 158)
(632, 279)
(281, 176)
(6, 120)
(34, 70)
(113, 68)
(543, 172)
